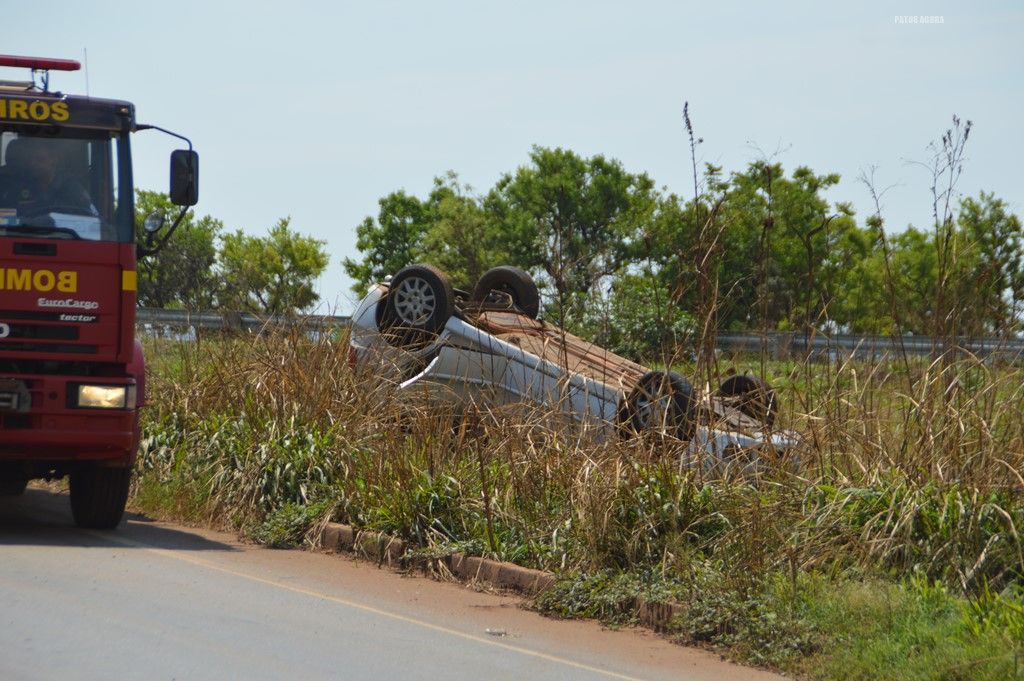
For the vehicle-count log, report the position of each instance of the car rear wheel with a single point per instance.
(519, 286)
(752, 396)
(419, 303)
(663, 402)
(98, 496)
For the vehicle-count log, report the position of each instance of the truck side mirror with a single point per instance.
(184, 177)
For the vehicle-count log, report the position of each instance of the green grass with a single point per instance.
(876, 629)
(288, 526)
(843, 627)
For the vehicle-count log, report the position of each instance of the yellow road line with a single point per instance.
(365, 608)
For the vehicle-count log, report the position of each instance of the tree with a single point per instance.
(762, 248)
(993, 269)
(753, 249)
(461, 238)
(570, 217)
(983, 275)
(271, 275)
(860, 296)
(781, 250)
(450, 229)
(636, 318)
(389, 243)
(875, 294)
(181, 274)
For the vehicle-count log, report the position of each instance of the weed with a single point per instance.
(877, 550)
(289, 525)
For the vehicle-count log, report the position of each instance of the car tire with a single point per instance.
(519, 285)
(419, 302)
(752, 396)
(662, 402)
(98, 496)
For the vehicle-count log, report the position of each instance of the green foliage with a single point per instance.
(874, 629)
(571, 218)
(288, 526)
(637, 319)
(756, 249)
(1000, 613)
(268, 275)
(861, 301)
(982, 276)
(826, 628)
(874, 560)
(782, 247)
(993, 263)
(390, 242)
(462, 239)
(272, 275)
(449, 229)
(428, 508)
(609, 596)
(181, 275)
(937, 531)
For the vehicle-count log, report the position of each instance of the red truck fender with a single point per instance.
(137, 370)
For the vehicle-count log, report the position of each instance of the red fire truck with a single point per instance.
(72, 375)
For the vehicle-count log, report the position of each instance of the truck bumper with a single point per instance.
(51, 430)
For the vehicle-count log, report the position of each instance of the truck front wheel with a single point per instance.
(98, 496)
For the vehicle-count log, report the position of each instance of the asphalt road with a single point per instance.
(160, 601)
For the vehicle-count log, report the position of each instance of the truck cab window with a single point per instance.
(57, 186)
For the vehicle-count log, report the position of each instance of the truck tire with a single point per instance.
(519, 285)
(98, 496)
(419, 302)
(663, 402)
(752, 397)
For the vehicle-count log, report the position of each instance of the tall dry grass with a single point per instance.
(902, 471)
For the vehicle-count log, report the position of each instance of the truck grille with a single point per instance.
(22, 332)
(50, 347)
(49, 367)
(15, 421)
(43, 332)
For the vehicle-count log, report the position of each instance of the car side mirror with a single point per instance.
(184, 177)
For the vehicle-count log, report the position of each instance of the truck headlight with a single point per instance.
(106, 396)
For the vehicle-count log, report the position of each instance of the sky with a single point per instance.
(315, 110)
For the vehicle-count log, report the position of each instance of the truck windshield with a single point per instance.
(60, 186)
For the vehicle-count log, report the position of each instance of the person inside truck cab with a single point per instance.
(35, 184)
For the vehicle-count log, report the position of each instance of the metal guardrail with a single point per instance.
(185, 319)
(783, 345)
(776, 345)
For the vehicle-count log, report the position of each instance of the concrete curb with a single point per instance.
(499, 574)
(384, 549)
(657, 616)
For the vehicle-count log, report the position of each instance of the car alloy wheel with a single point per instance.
(415, 301)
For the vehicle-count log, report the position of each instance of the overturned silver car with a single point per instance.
(488, 348)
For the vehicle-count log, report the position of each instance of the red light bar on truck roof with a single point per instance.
(39, 63)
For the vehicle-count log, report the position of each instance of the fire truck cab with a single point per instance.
(72, 375)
